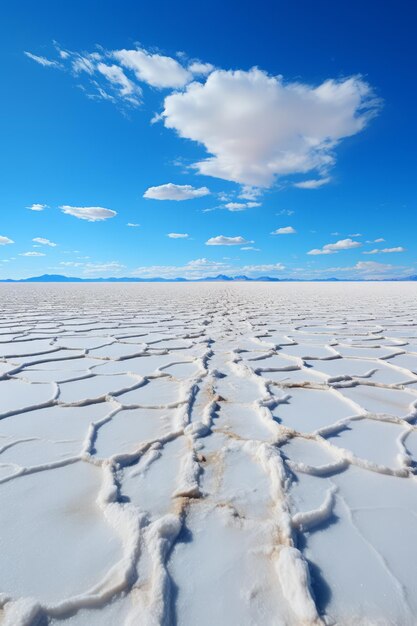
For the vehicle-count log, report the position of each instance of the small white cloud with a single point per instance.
(200, 68)
(41, 60)
(372, 266)
(132, 225)
(178, 235)
(314, 183)
(221, 240)
(32, 254)
(91, 214)
(44, 242)
(37, 207)
(333, 248)
(251, 248)
(250, 192)
(379, 240)
(5, 240)
(356, 235)
(385, 250)
(286, 230)
(155, 69)
(241, 206)
(170, 191)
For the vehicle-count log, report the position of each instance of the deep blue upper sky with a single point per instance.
(80, 136)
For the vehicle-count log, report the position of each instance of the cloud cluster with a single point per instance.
(170, 191)
(90, 214)
(117, 75)
(333, 248)
(254, 127)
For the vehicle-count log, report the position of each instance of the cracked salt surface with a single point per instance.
(208, 454)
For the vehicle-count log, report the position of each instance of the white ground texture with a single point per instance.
(208, 454)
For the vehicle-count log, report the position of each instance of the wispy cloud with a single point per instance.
(313, 183)
(271, 267)
(90, 214)
(240, 206)
(41, 60)
(5, 240)
(286, 230)
(44, 242)
(385, 250)
(127, 88)
(221, 240)
(287, 212)
(32, 254)
(178, 235)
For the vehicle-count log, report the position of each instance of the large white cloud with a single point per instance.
(257, 127)
(155, 69)
(5, 240)
(170, 191)
(332, 248)
(221, 240)
(90, 213)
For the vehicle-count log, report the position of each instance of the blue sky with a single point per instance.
(191, 139)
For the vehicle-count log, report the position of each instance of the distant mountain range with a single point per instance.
(58, 278)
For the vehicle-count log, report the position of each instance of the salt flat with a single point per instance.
(211, 454)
